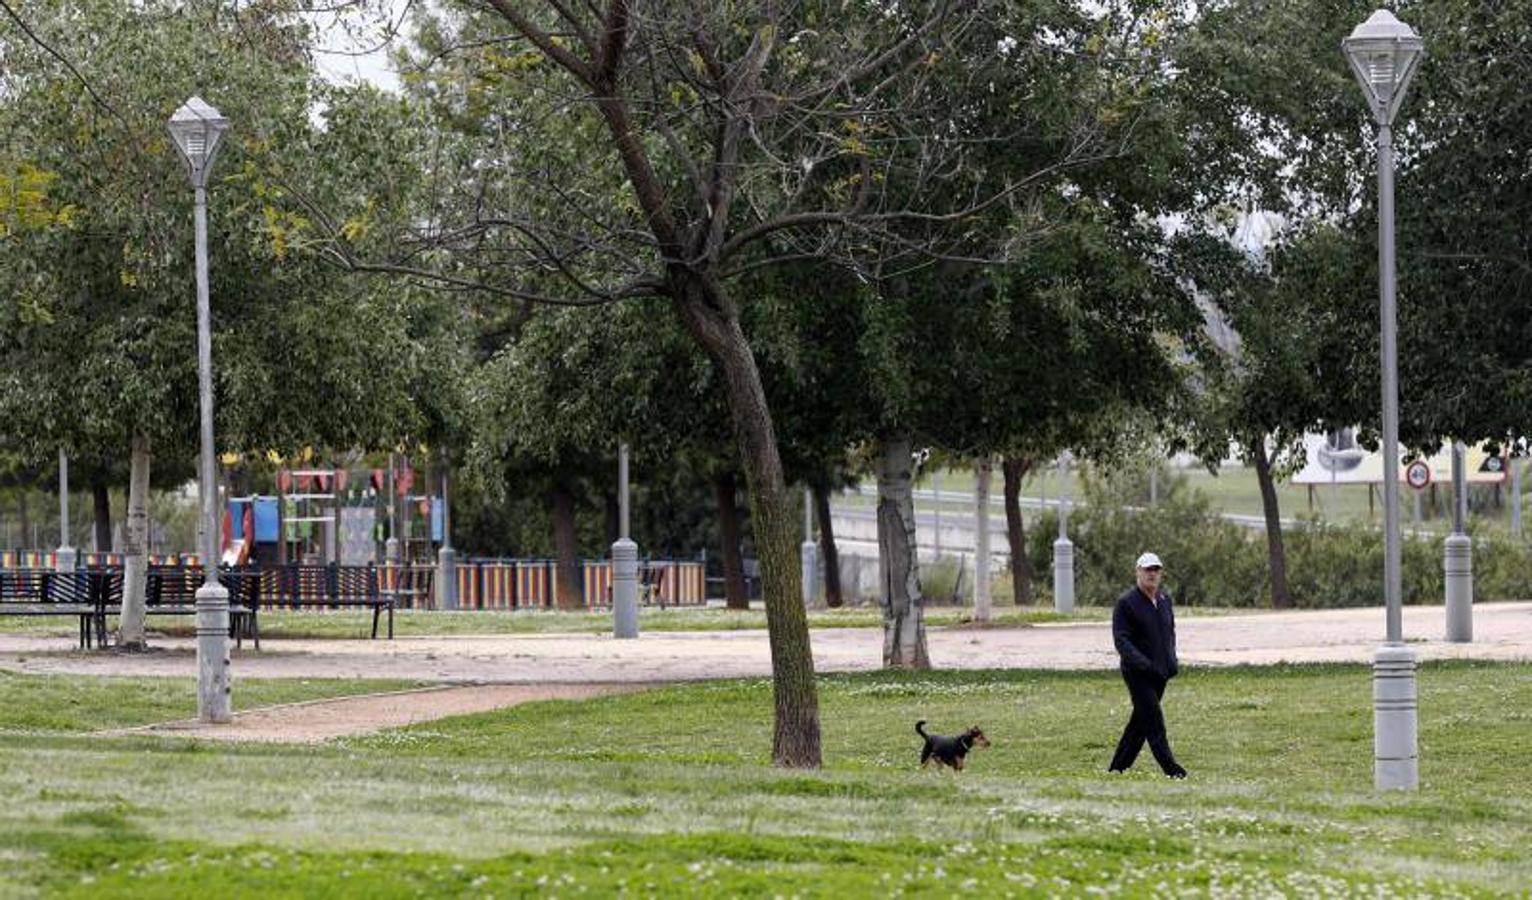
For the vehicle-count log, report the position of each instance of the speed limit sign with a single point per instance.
(1417, 474)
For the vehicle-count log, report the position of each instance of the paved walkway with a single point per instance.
(1502, 631)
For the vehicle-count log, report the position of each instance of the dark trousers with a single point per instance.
(1146, 724)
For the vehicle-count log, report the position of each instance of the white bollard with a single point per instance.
(1458, 563)
(1063, 575)
(808, 553)
(214, 687)
(624, 589)
(1395, 757)
(446, 578)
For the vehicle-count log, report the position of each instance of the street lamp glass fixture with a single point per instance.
(1384, 54)
(197, 129)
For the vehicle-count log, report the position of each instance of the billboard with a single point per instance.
(1336, 458)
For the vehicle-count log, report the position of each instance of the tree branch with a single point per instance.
(544, 41)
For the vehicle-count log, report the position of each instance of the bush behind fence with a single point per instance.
(1210, 561)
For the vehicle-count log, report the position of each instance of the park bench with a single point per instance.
(172, 591)
(42, 592)
(411, 588)
(296, 586)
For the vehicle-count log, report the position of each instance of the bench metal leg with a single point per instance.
(255, 629)
(375, 611)
(390, 621)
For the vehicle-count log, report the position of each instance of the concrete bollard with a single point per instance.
(624, 589)
(1395, 759)
(1063, 575)
(808, 554)
(1458, 563)
(214, 688)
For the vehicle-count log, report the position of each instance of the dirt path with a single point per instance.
(503, 670)
(1502, 631)
(315, 721)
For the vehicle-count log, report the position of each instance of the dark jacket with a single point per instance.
(1145, 634)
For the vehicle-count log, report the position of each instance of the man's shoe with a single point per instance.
(1177, 772)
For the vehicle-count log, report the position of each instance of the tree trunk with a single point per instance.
(711, 318)
(567, 590)
(25, 520)
(102, 500)
(135, 570)
(724, 488)
(1015, 468)
(833, 597)
(1280, 599)
(904, 627)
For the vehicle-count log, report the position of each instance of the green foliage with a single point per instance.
(1210, 561)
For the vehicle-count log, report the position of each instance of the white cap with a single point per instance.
(1149, 561)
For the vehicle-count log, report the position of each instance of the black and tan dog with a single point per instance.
(949, 751)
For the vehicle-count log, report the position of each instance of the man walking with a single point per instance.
(1144, 629)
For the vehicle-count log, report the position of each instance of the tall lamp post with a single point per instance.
(1457, 554)
(1384, 54)
(624, 560)
(1063, 548)
(196, 128)
(66, 559)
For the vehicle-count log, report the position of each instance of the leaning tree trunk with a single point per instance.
(904, 627)
(724, 488)
(567, 590)
(135, 571)
(101, 497)
(1015, 469)
(1280, 598)
(833, 596)
(712, 319)
(25, 519)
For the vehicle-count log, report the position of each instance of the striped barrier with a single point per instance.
(483, 584)
(48, 559)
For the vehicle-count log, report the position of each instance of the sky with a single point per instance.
(342, 57)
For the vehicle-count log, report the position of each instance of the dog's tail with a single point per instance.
(920, 728)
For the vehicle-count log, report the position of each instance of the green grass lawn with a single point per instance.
(669, 793)
(318, 623)
(64, 703)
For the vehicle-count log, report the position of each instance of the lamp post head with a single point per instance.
(1384, 54)
(196, 129)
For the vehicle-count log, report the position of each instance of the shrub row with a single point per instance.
(1210, 561)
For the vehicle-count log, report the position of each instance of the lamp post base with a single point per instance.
(1063, 576)
(1395, 757)
(446, 578)
(808, 555)
(214, 690)
(624, 589)
(1458, 563)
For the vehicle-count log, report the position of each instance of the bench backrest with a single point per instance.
(355, 583)
(69, 587)
(171, 586)
(22, 585)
